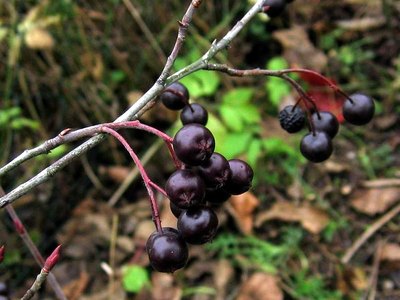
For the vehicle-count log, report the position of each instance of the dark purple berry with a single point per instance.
(194, 113)
(359, 110)
(185, 188)
(326, 122)
(198, 225)
(217, 197)
(241, 178)
(175, 96)
(176, 211)
(167, 250)
(215, 171)
(275, 7)
(292, 118)
(193, 144)
(316, 147)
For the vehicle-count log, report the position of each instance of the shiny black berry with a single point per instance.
(275, 7)
(198, 225)
(194, 113)
(292, 118)
(217, 196)
(167, 250)
(316, 147)
(185, 188)
(359, 110)
(176, 211)
(194, 144)
(175, 96)
(215, 171)
(241, 178)
(325, 122)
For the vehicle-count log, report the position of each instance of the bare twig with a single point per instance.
(378, 224)
(20, 228)
(138, 108)
(41, 278)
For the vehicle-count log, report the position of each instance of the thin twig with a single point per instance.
(20, 228)
(378, 224)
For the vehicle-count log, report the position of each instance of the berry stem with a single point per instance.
(143, 173)
(158, 188)
(138, 125)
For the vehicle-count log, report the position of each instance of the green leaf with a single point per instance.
(231, 117)
(20, 123)
(234, 144)
(277, 63)
(276, 87)
(217, 128)
(254, 152)
(238, 96)
(134, 278)
(249, 113)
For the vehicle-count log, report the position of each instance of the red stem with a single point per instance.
(138, 125)
(145, 177)
(158, 188)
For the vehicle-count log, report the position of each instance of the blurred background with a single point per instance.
(71, 64)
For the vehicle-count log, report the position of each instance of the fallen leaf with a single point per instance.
(391, 252)
(261, 286)
(222, 275)
(116, 173)
(306, 56)
(350, 279)
(312, 219)
(375, 201)
(39, 39)
(163, 287)
(243, 207)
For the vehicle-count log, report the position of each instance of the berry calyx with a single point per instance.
(194, 113)
(316, 147)
(292, 118)
(359, 109)
(185, 188)
(325, 122)
(198, 225)
(175, 96)
(215, 171)
(241, 179)
(194, 144)
(274, 8)
(167, 250)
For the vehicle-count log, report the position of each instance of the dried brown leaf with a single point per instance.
(305, 56)
(391, 252)
(312, 219)
(375, 201)
(261, 286)
(243, 207)
(39, 39)
(116, 173)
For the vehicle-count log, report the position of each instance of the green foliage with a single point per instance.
(134, 278)
(12, 118)
(200, 83)
(249, 251)
(276, 87)
(312, 288)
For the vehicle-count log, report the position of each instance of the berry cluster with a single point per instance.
(316, 146)
(207, 179)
